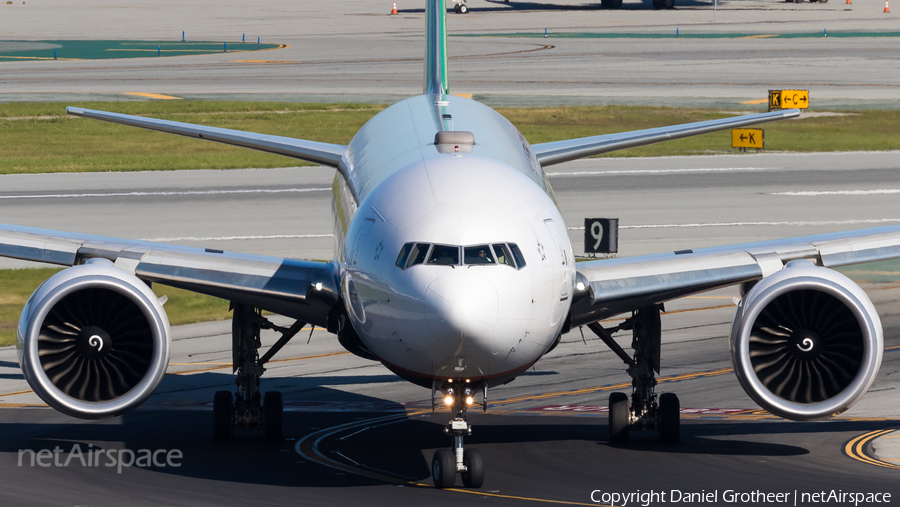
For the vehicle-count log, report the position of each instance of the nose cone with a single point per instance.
(461, 310)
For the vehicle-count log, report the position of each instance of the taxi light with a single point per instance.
(448, 400)
(579, 286)
(319, 286)
(470, 400)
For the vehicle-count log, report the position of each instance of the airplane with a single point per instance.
(452, 267)
(462, 7)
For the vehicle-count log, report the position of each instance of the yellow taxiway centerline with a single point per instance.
(308, 447)
(153, 96)
(856, 449)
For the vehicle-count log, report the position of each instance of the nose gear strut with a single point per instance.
(447, 463)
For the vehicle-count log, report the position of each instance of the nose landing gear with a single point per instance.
(468, 463)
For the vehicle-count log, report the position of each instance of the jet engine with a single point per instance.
(93, 341)
(806, 342)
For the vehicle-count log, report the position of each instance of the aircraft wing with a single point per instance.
(614, 286)
(304, 290)
(310, 151)
(558, 152)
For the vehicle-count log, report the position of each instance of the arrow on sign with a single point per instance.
(743, 137)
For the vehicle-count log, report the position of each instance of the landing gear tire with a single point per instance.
(473, 477)
(443, 469)
(668, 4)
(657, 5)
(273, 416)
(669, 418)
(223, 415)
(456, 8)
(463, 9)
(618, 417)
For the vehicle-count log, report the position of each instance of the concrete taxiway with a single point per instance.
(351, 50)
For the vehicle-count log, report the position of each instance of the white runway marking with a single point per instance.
(237, 238)
(812, 193)
(738, 224)
(179, 192)
(665, 171)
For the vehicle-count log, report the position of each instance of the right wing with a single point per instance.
(310, 151)
(304, 290)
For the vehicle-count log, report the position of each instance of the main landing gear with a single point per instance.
(246, 409)
(647, 412)
(468, 463)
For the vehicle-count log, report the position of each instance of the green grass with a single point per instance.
(863, 130)
(38, 137)
(16, 285)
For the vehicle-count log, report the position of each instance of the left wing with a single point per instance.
(614, 286)
(304, 290)
(558, 152)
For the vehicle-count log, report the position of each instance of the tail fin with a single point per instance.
(436, 48)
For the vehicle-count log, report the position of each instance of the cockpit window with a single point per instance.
(444, 255)
(404, 254)
(480, 254)
(503, 255)
(517, 254)
(448, 255)
(417, 255)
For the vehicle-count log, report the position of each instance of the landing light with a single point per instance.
(470, 400)
(448, 400)
(579, 286)
(318, 285)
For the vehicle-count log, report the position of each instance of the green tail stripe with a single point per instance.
(436, 48)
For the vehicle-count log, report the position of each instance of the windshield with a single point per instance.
(480, 254)
(443, 255)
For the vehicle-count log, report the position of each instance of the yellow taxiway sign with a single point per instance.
(788, 99)
(748, 138)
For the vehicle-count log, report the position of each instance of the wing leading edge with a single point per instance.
(558, 152)
(310, 151)
(615, 286)
(304, 290)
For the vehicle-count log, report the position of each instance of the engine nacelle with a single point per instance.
(806, 342)
(93, 341)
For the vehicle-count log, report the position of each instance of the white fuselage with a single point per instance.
(398, 196)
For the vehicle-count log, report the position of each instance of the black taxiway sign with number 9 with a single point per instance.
(748, 138)
(601, 235)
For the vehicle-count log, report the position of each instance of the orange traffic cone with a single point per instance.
(887, 10)
(848, 2)
(394, 9)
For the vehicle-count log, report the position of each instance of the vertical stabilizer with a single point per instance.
(436, 48)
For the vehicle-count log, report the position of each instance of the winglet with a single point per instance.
(436, 48)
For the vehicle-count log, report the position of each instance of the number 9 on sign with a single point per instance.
(601, 235)
(597, 234)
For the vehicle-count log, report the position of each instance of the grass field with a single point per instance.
(39, 137)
